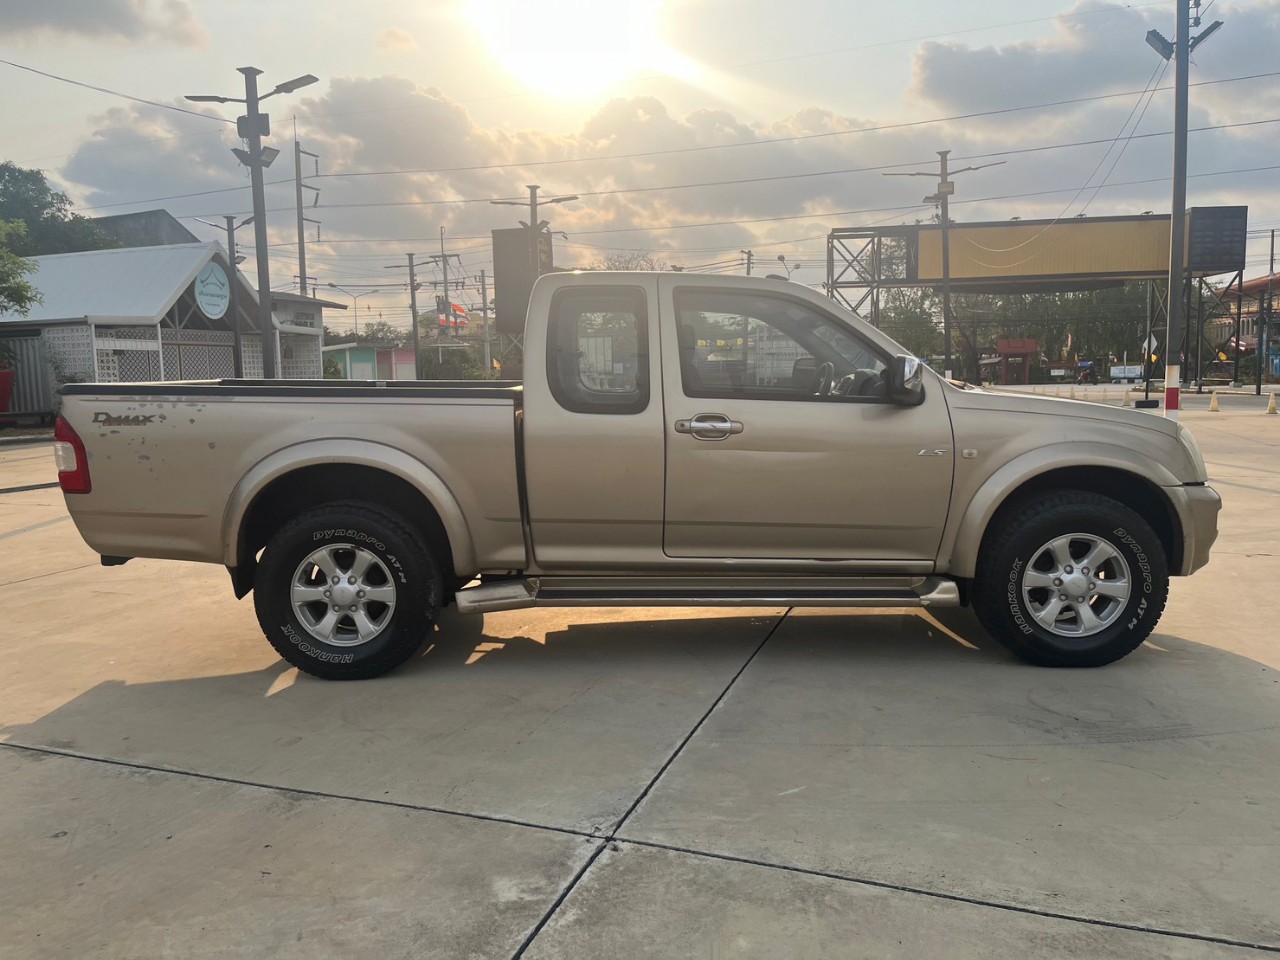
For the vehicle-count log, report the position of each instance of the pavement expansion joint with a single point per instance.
(297, 791)
(29, 487)
(609, 841)
(614, 843)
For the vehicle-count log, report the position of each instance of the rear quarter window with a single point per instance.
(598, 349)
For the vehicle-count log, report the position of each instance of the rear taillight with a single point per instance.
(73, 462)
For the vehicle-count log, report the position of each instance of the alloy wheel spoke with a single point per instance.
(360, 565)
(325, 560)
(307, 593)
(327, 626)
(365, 627)
(1089, 621)
(1061, 550)
(1034, 578)
(1113, 588)
(1048, 614)
(385, 594)
(1099, 554)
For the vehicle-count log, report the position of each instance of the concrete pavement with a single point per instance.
(635, 783)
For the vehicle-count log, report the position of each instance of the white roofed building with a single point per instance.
(150, 313)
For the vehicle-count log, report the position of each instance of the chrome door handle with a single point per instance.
(709, 426)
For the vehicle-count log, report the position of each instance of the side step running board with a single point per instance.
(540, 592)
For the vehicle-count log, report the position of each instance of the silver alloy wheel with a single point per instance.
(343, 595)
(1076, 585)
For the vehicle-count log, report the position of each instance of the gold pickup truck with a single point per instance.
(676, 440)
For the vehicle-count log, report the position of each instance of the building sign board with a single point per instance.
(213, 291)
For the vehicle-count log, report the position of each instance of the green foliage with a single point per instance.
(17, 295)
(332, 369)
(453, 363)
(375, 333)
(52, 227)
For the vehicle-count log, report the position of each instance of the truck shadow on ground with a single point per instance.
(595, 679)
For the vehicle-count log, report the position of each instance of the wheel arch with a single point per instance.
(301, 477)
(1109, 472)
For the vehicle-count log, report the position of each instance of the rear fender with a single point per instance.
(359, 452)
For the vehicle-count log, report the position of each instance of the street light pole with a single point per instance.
(355, 306)
(1176, 313)
(535, 225)
(253, 126)
(256, 122)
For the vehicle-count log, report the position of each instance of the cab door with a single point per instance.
(780, 442)
(593, 446)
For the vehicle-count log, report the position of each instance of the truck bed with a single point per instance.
(174, 466)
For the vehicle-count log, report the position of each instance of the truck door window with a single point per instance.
(598, 349)
(749, 346)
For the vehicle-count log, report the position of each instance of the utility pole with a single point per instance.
(253, 126)
(298, 187)
(946, 188)
(442, 260)
(1264, 320)
(237, 349)
(444, 267)
(484, 312)
(1180, 52)
(750, 255)
(413, 318)
(1175, 333)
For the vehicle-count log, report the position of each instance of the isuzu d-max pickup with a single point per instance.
(676, 440)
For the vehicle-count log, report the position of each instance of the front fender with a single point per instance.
(358, 452)
(958, 552)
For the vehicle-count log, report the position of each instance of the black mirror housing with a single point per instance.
(906, 381)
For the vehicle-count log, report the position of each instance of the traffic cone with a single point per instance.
(1072, 395)
(1271, 404)
(1213, 403)
(1128, 401)
(1057, 391)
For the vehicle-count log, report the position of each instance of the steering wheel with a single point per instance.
(860, 383)
(823, 379)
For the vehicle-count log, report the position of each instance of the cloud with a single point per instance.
(364, 127)
(130, 20)
(396, 41)
(1087, 54)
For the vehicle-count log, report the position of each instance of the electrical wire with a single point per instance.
(117, 93)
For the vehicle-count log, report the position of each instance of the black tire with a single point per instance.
(1014, 558)
(347, 533)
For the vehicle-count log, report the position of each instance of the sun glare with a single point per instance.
(574, 48)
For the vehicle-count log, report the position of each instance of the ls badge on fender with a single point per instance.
(933, 453)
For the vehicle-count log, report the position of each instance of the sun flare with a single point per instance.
(575, 48)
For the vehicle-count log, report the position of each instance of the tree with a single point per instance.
(17, 295)
(25, 195)
(630, 260)
(375, 333)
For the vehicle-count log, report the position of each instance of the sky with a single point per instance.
(690, 130)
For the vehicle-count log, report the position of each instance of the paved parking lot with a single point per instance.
(636, 783)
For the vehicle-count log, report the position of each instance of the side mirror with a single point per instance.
(906, 381)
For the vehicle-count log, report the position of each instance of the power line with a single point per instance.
(117, 93)
(792, 139)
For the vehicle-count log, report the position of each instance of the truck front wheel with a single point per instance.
(1071, 579)
(346, 591)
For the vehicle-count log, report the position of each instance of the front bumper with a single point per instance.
(1197, 507)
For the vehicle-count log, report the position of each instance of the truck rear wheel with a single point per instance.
(1071, 579)
(346, 591)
